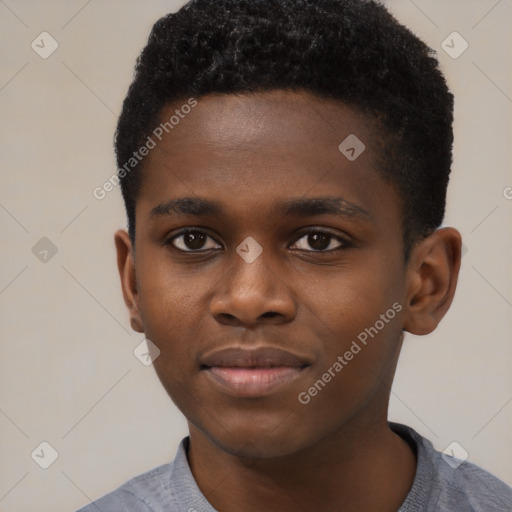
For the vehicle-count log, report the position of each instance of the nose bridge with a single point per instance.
(251, 266)
(252, 287)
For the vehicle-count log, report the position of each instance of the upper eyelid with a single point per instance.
(169, 240)
(326, 231)
(312, 229)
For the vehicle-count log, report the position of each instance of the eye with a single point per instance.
(192, 240)
(321, 241)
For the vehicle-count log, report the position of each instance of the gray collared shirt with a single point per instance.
(438, 486)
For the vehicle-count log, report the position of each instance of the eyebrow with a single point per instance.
(301, 207)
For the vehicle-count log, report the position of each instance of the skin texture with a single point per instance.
(248, 153)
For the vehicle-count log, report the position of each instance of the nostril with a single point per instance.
(227, 319)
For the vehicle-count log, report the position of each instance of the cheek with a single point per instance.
(169, 312)
(346, 303)
(358, 320)
(353, 375)
(171, 309)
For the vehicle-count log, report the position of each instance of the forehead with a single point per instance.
(276, 119)
(257, 150)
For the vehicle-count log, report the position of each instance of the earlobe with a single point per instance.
(126, 267)
(432, 275)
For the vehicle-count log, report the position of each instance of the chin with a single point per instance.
(259, 438)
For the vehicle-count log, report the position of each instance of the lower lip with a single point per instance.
(253, 382)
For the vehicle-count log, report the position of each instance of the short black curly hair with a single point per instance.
(353, 51)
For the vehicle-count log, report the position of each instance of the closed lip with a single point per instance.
(259, 357)
(253, 372)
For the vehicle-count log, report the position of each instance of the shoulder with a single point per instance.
(142, 493)
(167, 488)
(445, 484)
(469, 484)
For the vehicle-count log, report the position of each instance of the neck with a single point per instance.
(357, 468)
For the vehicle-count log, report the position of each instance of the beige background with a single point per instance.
(68, 375)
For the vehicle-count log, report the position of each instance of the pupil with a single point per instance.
(194, 240)
(318, 241)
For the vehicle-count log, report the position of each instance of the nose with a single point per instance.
(251, 294)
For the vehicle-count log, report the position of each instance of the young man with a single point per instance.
(284, 166)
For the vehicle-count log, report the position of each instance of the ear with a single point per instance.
(126, 266)
(432, 274)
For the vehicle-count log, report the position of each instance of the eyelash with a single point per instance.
(345, 244)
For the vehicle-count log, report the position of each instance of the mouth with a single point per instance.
(253, 372)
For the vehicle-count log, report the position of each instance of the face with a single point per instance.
(269, 271)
